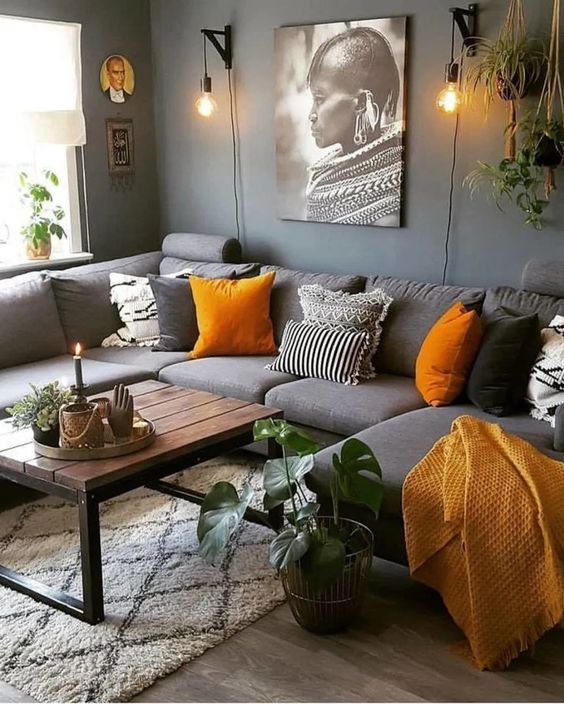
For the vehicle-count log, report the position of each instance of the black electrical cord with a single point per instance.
(234, 141)
(451, 195)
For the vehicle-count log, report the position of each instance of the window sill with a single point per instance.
(21, 267)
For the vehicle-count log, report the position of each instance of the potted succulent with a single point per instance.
(39, 410)
(44, 216)
(506, 67)
(323, 561)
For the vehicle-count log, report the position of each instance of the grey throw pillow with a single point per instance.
(176, 312)
(356, 312)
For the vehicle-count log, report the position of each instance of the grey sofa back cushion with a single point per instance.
(83, 297)
(413, 312)
(544, 276)
(202, 248)
(211, 270)
(29, 321)
(523, 303)
(284, 299)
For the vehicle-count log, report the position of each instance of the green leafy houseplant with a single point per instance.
(317, 545)
(44, 216)
(39, 410)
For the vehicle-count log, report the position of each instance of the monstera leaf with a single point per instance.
(324, 562)
(288, 546)
(280, 476)
(358, 475)
(221, 512)
(286, 435)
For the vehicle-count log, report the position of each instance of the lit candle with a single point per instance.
(78, 367)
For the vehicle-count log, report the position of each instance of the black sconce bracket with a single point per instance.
(224, 51)
(467, 23)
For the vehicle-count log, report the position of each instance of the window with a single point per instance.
(41, 124)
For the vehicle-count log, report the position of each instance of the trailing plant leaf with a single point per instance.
(288, 547)
(221, 512)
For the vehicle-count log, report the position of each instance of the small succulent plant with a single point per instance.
(40, 408)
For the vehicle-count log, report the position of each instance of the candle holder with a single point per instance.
(79, 393)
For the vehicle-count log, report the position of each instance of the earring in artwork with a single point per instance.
(367, 118)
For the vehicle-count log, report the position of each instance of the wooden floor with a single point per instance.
(397, 652)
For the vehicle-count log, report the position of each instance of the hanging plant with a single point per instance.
(506, 67)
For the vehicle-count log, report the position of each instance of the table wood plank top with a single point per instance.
(186, 421)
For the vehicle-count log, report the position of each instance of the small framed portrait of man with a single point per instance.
(117, 78)
(339, 121)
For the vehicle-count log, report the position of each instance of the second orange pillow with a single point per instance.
(233, 316)
(447, 354)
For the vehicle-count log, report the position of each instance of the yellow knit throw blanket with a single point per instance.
(484, 521)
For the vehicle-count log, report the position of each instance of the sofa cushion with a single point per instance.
(285, 302)
(522, 303)
(29, 321)
(140, 357)
(207, 248)
(544, 276)
(83, 297)
(211, 270)
(399, 444)
(239, 377)
(345, 410)
(100, 376)
(415, 309)
(499, 377)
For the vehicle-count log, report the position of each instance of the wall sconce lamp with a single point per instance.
(450, 98)
(206, 104)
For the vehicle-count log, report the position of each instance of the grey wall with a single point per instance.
(121, 222)
(195, 167)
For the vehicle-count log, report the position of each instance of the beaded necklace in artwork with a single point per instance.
(358, 188)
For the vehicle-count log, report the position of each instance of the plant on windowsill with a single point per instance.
(39, 410)
(44, 217)
(323, 561)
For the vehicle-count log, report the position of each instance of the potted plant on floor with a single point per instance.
(44, 217)
(323, 561)
(39, 410)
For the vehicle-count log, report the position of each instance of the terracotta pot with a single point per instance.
(46, 437)
(42, 251)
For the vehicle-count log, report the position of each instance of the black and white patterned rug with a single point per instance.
(164, 604)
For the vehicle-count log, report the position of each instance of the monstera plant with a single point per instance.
(317, 551)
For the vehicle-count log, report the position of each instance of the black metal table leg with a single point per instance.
(275, 515)
(91, 558)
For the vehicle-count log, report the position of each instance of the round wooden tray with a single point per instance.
(97, 453)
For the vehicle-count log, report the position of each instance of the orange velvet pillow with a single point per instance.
(447, 354)
(233, 316)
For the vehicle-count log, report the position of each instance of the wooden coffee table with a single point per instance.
(192, 426)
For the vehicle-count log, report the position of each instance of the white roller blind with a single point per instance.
(41, 86)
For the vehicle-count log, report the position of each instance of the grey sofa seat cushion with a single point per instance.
(140, 357)
(29, 321)
(83, 297)
(203, 248)
(400, 443)
(413, 312)
(100, 376)
(284, 300)
(239, 377)
(345, 410)
(211, 270)
(523, 303)
(544, 276)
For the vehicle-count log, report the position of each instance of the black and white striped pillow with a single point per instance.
(321, 352)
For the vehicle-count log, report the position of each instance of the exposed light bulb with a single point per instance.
(450, 99)
(206, 105)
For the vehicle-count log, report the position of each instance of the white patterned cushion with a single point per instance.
(321, 352)
(546, 384)
(137, 310)
(360, 312)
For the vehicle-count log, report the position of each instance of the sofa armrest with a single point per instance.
(201, 248)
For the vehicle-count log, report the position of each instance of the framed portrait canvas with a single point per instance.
(339, 121)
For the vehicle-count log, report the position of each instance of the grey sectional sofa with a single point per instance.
(42, 315)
